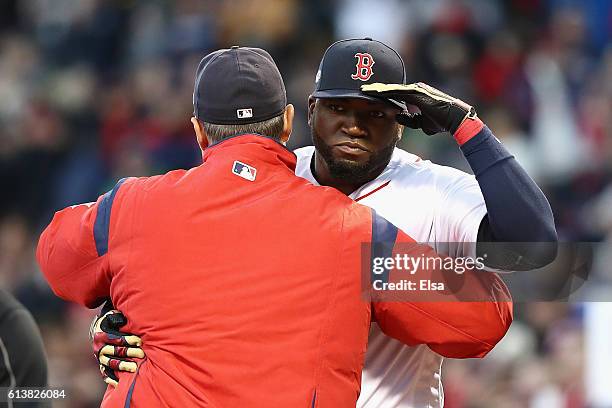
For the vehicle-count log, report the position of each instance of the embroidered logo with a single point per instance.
(244, 113)
(364, 65)
(244, 170)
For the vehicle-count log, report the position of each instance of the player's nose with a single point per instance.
(352, 127)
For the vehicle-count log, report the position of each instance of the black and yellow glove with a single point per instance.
(439, 112)
(112, 348)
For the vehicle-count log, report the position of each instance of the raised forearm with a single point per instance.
(517, 210)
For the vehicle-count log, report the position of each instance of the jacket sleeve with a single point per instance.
(73, 251)
(465, 320)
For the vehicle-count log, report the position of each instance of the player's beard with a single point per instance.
(350, 171)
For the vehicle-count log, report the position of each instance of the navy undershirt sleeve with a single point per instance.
(517, 210)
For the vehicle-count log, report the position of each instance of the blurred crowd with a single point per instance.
(95, 90)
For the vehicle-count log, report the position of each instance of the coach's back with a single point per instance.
(242, 279)
(244, 287)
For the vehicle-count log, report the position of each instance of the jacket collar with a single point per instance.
(257, 146)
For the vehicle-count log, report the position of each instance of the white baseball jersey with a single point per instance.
(433, 204)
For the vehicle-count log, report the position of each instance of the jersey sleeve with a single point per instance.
(459, 214)
(450, 323)
(73, 251)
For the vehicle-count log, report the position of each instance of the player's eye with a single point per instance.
(336, 108)
(377, 114)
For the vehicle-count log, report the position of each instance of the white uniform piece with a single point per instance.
(433, 204)
(598, 336)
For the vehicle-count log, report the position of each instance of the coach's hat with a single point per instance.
(238, 85)
(348, 64)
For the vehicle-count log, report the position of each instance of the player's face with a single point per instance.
(354, 139)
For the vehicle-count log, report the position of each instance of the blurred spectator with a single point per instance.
(18, 332)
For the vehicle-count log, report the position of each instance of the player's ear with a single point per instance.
(200, 133)
(311, 105)
(287, 123)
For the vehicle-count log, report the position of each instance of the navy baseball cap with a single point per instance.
(238, 85)
(348, 64)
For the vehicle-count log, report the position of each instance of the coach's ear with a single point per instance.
(200, 133)
(287, 123)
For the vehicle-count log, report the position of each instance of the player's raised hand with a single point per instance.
(439, 112)
(112, 348)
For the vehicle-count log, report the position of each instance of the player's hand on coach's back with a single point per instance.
(439, 112)
(113, 349)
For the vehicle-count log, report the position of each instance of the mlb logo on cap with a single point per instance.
(244, 113)
(244, 170)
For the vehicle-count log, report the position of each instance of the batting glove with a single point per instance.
(112, 348)
(439, 112)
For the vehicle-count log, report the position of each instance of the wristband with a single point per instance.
(467, 130)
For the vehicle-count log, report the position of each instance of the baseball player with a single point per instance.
(355, 124)
(233, 309)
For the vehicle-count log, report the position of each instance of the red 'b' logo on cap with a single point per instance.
(364, 66)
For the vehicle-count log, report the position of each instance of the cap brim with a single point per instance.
(351, 93)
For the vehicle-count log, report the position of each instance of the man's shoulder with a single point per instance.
(128, 188)
(155, 181)
(408, 169)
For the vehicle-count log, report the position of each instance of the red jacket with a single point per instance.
(244, 284)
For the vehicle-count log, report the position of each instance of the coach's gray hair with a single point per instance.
(271, 128)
